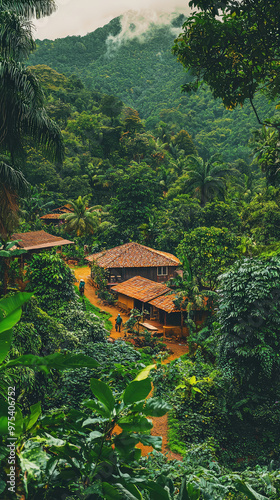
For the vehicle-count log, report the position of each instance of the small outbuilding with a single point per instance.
(54, 217)
(36, 241)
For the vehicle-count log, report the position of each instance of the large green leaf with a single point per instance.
(244, 487)
(125, 442)
(157, 492)
(57, 360)
(137, 391)
(35, 412)
(110, 493)
(145, 372)
(156, 407)
(147, 440)
(129, 491)
(10, 304)
(135, 423)
(5, 254)
(3, 426)
(189, 491)
(103, 393)
(5, 343)
(10, 320)
(10, 314)
(98, 407)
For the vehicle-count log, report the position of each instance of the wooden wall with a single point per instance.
(145, 272)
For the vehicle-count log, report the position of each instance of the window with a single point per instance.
(162, 271)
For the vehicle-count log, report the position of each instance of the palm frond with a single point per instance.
(30, 8)
(16, 40)
(13, 179)
(22, 111)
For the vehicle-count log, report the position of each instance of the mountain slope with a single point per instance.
(144, 74)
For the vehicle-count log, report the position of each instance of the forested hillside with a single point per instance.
(145, 75)
(98, 148)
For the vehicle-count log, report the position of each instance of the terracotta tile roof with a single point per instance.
(51, 216)
(33, 240)
(66, 209)
(133, 255)
(165, 302)
(141, 288)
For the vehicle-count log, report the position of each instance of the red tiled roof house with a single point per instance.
(132, 259)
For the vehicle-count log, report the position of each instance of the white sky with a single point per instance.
(79, 17)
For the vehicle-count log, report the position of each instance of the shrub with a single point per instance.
(51, 279)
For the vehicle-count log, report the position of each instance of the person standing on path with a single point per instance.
(118, 323)
(82, 287)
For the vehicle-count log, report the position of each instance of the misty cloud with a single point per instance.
(135, 24)
(80, 18)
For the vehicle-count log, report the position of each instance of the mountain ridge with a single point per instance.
(147, 77)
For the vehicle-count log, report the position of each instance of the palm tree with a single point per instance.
(82, 220)
(22, 112)
(207, 178)
(21, 98)
(12, 182)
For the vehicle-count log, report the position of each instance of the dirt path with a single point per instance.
(160, 424)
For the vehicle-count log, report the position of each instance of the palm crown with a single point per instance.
(208, 178)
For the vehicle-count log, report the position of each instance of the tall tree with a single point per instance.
(209, 252)
(208, 178)
(83, 220)
(249, 317)
(233, 46)
(12, 182)
(22, 110)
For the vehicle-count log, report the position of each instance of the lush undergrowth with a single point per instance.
(104, 316)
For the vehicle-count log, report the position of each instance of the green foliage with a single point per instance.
(209, 251)
(23, 114)
(100, 277)
(197, 414)
(199, 471)
(104, 316)
(91, 457)
(206, 178)
(127, 207)
(51, 280)
(249, 349)
(11, 311)
(249, 342)
(7, 253)
(221, 214)
(82, 219)
(265, 147)
(261, 217)
(244, 58)
(119, 363)
(146, 77)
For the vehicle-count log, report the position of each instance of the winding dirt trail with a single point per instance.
(160, 424)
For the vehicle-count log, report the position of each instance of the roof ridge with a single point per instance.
(160, 252)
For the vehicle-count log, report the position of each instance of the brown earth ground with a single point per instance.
(160, 424)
